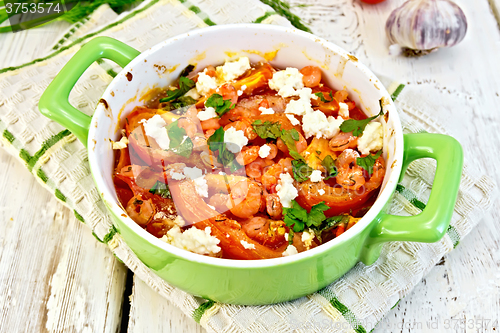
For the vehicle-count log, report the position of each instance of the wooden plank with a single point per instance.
(54, 275)
(462, 83)
(153, 313)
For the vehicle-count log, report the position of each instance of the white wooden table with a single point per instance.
(48, 285)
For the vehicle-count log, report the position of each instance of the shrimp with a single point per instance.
(219, 201)
(256, 168)
(273, 206)
(244, 125)
(377, 176)
(210, 71)
(272, 174)
(340, 95)
(350, 177)
(301, 145)
(210, 124)
(140, 210)
(209, 133)
(248, 154)
(265, 231)
(277, 103)
(245, 199)
(188, 125)
(311, 76)
(228, 91)
(273, 152)
(342, 141)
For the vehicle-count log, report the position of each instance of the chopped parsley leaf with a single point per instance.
(161, 189)
(180, 143)
(269, 130)
(329, 164)
(301, 171)
(331, 223)
(297, 218)
(220, 104)
(358, 126)
(323, 99)
(182, 102)
(368, 162)
(185, 85)
(187, 70)
(226, 157)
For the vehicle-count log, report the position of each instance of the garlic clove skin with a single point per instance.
(421, 26)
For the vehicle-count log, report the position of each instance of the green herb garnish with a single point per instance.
(290, 236)
(331, 223)
(323, 99)
(182, 101)
(161, 189)
(358, 126)
(269, 130)
(297, 218)
(180, 143)
(185, 85)
(368, 162)
(220, 104)
(301, 171)
(226, 157)
(329, 164)
(187, 70)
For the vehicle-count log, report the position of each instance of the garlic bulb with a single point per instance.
(422, 26)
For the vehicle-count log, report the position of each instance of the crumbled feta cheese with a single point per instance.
(264, 151)
(343, 110)
(316, 176)
(321, 191)
(235, 140)
(232, 69)
(193, 172)
(287, 82)
(155, 128)
(302, 105)
(317, 124)
(307, 238)
(290, 250)
(266, 110)
(292, 119)
(179, 221)
(200, 182)
(120, 144)
(177, 175)
(285, 190)
(239, 92)
(201, 186)
(193, 239)
(205, 83)
(247, 245)
(244, 87)
(372, 138)
(193, 93)
(209, 113)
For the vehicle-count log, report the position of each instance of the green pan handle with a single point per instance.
(54, 102)
(431, 224)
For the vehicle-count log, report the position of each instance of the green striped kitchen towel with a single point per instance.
(356, 302)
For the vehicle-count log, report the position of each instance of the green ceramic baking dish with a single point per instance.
(270, 280)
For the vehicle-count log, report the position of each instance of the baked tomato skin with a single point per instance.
(340, 200)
